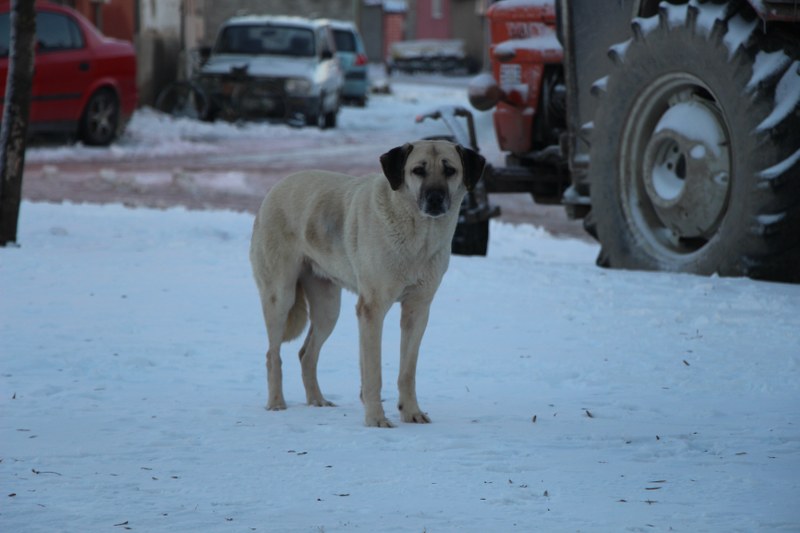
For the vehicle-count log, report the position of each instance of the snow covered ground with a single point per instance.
(564, 397)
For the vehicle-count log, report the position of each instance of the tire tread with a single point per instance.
(768, 241)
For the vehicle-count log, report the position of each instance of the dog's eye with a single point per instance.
(419, 171)
(449, 171)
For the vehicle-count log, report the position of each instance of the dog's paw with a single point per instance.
(276, 405)
(416, 418)
(320, 402)
(378, 422)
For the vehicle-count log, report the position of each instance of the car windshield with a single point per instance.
(266, 39)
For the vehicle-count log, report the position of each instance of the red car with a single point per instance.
(84, 83)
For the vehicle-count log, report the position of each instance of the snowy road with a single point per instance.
(162, 162)
(564, 397)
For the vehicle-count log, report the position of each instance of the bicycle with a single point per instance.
(184, 99)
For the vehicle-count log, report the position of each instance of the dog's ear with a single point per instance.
(394, 162)
(473, 164)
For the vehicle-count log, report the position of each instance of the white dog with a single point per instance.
(385, 238)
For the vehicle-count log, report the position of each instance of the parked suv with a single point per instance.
(274, 67)
(84, 83)
(353, 60)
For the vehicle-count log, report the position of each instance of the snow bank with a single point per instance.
(387, 119)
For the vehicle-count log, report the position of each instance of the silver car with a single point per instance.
(272, 67)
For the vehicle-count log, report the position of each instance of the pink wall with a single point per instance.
(393, 30)
(115, 18)
(429, 26)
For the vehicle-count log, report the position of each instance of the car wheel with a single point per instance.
(327, 119)
(692, 151)
(100, 118)
(330, 119)
(316, 118)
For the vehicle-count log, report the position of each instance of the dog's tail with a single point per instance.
(298, 316)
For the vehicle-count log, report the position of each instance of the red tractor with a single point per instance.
(671, 127)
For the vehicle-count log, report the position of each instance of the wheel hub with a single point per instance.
(102, 115)
(687, 169)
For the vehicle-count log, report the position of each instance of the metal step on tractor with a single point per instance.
(671, 127)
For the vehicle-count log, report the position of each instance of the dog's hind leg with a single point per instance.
(277, 302)
(324, 302)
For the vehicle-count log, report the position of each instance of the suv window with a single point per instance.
(266, 39)
(345, 41)
(54, 31)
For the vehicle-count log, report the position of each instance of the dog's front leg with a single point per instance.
(371, 314)
(413, 321)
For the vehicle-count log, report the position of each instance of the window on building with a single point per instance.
(436, 9)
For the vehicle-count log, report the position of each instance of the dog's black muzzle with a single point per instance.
(435, 202)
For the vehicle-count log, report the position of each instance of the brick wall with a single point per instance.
(393, 30)
(433, 19)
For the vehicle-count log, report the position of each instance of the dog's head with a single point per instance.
(434, 172)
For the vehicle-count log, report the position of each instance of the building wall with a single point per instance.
(393, 31)
(218, 12)
(193, 23)
(160, 15)
(370, 23)
(158, 46)
(470, 26)
(117, 18)
(450, 19)
(433, 19)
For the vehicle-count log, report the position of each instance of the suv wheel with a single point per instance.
(330, 119)
(316, 117)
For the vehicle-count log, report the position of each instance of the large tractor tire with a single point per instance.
(695, 156)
